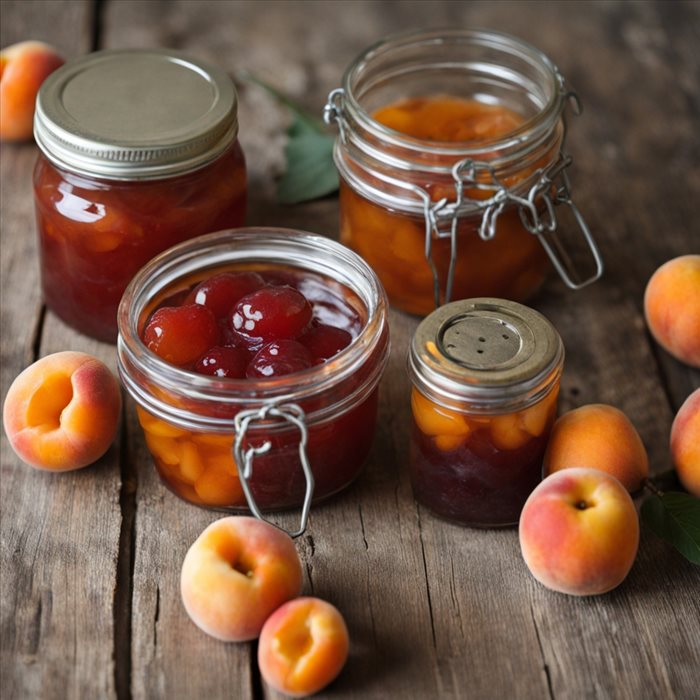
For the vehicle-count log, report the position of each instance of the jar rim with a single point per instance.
(544, 120)
(228, 246)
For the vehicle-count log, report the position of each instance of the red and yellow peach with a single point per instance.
(62, 412)
(303, 647)
(579, 532)
(235, 574)
(672, 307)
(23, 68)
(601, 437)
(685, 443)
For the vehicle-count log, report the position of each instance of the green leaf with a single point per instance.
(675, 517)
(310, 171)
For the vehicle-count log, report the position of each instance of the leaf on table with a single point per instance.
(310, 171)
(675, 517)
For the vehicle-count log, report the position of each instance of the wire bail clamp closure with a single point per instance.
(333, 111)
(292, 413)
(536, 211)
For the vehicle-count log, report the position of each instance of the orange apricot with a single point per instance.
(303, 647)
(62, 412)
(235, 574)
(579, 532)
(672, 307)
(685, 443)
(23, 68)
(601, 437)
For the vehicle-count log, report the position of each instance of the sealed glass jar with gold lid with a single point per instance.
(139, 152)
(485, 376)
(452, 163)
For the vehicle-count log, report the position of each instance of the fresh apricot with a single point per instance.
(579, 532)
(672, 307)
(685, 443)
(235, 574)
(23, 68)
(62, 412)
(303, 646)
(601, 437)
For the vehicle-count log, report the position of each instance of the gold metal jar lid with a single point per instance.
(488, 352)
(135, 114)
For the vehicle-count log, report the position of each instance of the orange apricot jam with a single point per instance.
(485, 376)
(511, 265)
(94, 235)
(448, 118)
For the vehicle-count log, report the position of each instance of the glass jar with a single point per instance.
(139, 152)
(236, 444)
(451, 161)
(485, 376)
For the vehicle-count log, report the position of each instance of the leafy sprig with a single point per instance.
(310, 172)
(675, 517)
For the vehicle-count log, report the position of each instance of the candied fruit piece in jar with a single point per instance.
(278, 358)
(323, 342)
(223, 362)
(221, 292)
(181, 334)
(271, 313)
(433, 419)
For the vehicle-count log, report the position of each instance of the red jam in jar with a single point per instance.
(139, 153)
(239, 321)
(486, 377)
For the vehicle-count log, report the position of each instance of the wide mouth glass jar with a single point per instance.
(139, 151)
(451, 160)
(206, 433)
(485, 376)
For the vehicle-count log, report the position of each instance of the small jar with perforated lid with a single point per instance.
(485, 376)
(139, 151)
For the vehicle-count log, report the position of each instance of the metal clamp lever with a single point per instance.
(244, 459)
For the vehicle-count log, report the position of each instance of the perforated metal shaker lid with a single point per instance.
(135, 114)
(486, 351)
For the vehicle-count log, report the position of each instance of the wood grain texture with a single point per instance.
(60, 532)
(91, 606)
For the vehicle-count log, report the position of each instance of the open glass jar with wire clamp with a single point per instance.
(452, 167)
(139, 151)
(485, 376)
(253, 424)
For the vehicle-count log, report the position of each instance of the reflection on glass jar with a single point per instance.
(191, 421)
(485, 376)
(139, 152)
(450, 154)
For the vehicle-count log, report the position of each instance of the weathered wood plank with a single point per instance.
(634, 181)
(60, 532)
(471, 623)
(433, 609)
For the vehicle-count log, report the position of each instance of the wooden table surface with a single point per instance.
(91, 560)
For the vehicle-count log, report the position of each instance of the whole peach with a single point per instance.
(685, 443)
(579, 532)
(672, 307)
(23, 68)
(62, 412)
(235, 574)
(601, 437)
(303, 646)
